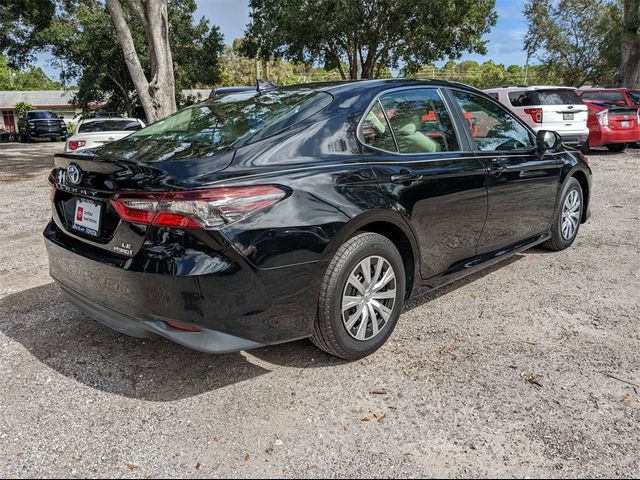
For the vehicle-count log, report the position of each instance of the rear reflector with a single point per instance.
(182, 326)
(210, 208)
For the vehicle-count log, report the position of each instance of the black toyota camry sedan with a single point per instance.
(307, 211)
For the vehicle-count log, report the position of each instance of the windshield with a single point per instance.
(109, 126)
(41, 116)
(237, 119)
(634, 95)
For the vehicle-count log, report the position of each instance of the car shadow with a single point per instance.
(154, 369)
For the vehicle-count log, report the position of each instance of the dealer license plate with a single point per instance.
(87, 217)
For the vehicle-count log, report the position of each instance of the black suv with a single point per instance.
(306, 211)
(41, 124)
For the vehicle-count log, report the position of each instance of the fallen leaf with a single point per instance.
(247, 457)
(380, 391)
(627, 399)
(532, 378)
(197, 466)
(269, 451)
(132, 466)
(216, 439)
(346, 428)
(20, 455)
(382, 419)
(369, 418)
(530, 342)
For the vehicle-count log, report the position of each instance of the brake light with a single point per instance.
(74, 145)
(210, 208)
(536, 114)
(603, 118)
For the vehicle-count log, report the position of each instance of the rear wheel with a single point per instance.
(568, 217)
(361, 297)
(617, 147)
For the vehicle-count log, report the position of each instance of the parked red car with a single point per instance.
(614, 117)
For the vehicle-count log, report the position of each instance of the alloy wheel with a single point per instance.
(571, 215)
(368, 298)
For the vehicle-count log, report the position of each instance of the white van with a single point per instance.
(548, 108)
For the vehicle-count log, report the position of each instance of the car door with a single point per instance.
(429, 172)
(522, 188)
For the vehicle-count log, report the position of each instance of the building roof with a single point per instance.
(37, 98)
(60, 98)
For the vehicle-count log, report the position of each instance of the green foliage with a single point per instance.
(71, 126)
(575, 39)
(32, 78)
(487, 74)
(22, 108)
(82, 39)
(367, 36)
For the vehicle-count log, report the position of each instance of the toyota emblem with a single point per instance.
(74, 174)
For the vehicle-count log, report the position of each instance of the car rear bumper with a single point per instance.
(234, 306)
(607, 136)
(570, 137)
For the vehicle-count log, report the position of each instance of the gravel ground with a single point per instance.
(524, 370)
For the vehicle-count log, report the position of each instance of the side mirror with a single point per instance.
(547, 140)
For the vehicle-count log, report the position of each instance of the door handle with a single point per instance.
(498, 166)
(405, 177)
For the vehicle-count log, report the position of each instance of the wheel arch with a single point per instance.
(391, 225)
(581, 177)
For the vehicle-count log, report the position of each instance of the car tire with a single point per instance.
(563, 236)
(585, 147)
(338, 328)
(617, 147)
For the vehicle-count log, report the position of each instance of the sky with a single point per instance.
(504, 41)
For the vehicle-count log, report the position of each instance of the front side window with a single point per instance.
(492, 127)
(420, 121)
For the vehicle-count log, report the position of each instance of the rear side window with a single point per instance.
(493, 128)
(420, 121)
(109, 126)
(521, 99)
(376, 131)
(634, 95)
(604, 96)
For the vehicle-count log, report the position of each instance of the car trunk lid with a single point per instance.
(84, 183)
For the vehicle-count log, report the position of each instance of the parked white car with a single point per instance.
(94, 132)
(548, 108)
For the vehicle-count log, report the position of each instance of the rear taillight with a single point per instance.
(183, 326)
(210, 208)
(536, 114)
(603, 118)
(74, 145)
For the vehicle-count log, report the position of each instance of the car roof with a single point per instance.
(95, 119)
(528, 88)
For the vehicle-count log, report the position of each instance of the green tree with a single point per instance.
(31, 78)
(22, 108)
(569, 38)
(368, 36)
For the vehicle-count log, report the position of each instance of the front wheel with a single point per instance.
(568, 217)
(361, 297)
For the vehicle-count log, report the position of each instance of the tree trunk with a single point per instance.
(157, 94)
(630, 62)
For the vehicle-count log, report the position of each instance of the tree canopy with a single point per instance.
(30, 78)
(368, 35)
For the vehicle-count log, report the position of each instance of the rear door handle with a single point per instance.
(405, 176)
(498, 166)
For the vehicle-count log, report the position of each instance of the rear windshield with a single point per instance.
(109, 126)
(41, 116)
(634, 95)
(604, 96)
(527, 98)
(237, 119)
